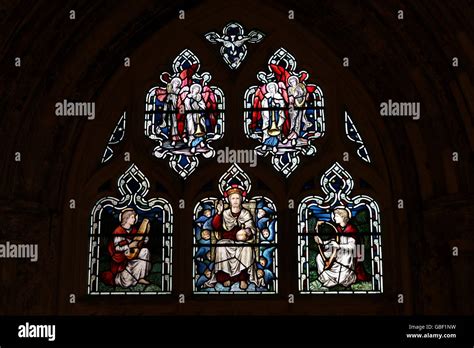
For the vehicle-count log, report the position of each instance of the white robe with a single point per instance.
(297, 117)
(136, 269)
(272, 100)
(342, 270)
(194, 103)
(233, 259)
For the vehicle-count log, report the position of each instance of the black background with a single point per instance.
(407, 60)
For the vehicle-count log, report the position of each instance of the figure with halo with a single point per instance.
(336, 261)
(235, 233)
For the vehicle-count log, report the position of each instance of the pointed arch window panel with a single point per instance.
(353, 135)
(284, 113)
(130, 241)
(184, 115)
(235, 240)
(115, 138)
(339, 242)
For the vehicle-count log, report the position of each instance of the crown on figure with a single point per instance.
(235, 189)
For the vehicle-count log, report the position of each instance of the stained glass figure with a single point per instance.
(235, 240)
(284, 113)
(130, 250)
(184, 115)
(115, 138)
(353, 135)
(340, 240)
(233, 41)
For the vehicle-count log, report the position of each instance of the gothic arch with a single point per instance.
(330, 148)
(406, 162)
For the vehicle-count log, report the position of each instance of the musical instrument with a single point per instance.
(328, 261)
(274, 131)
(135, 245)
(200, 130)
(300, 96)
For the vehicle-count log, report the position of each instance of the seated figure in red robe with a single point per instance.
(125, 272)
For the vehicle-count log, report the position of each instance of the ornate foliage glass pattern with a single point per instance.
(184, 115)
(284, 113)
(130, 250)
(339, 246)
(235, 240)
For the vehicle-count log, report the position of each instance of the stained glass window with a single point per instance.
(339, 246)
(353, 135)
(115, 138)
(233, 42)
(235, 240)
(130, 249)
(235, 235)
(284, 113)
(184, 115)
